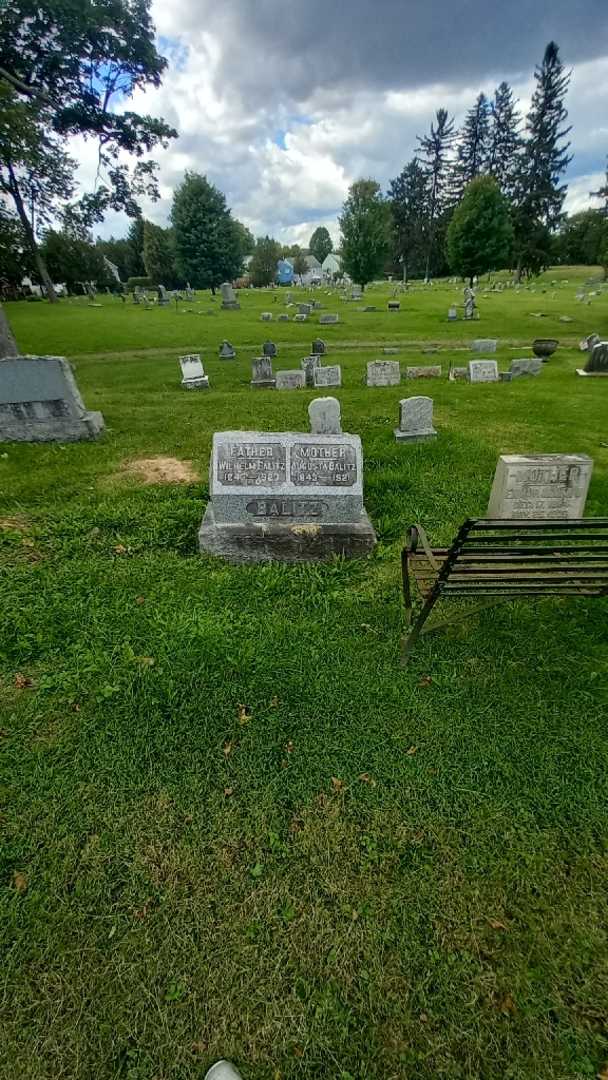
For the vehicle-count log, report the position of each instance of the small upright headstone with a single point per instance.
(308, 365)
(527, 366)
(319, 347)
(229, 300)
(40, 402)
(540, 486)
(383, 373)
(269, 348)
(415, 420)
(283, 317)
(587, 344)
(428, 371)
(394, 305)
(262, 377)
(290, 380)
(327, 376)
(356, 292)
(300, 317)
(452, 314)
(227, 351)
(324, 413)
(193, 375)
(484, 345)
(327, 320)
(304, 309)
(458, 374)
(483, 371)
(597, 361)
(266, 316)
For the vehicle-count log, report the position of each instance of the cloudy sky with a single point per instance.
(283, 103)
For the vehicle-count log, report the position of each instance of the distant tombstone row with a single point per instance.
(40, 402)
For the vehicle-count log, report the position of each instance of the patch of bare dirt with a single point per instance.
(160, 470)
(13, 524)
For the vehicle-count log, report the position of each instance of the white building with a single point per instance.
(331, 265)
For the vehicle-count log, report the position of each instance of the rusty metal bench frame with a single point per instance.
(503, 559)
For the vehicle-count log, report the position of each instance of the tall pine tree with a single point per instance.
(473, 146)
(504, 140)
(545, 158)
(435, 148)
(408, 198)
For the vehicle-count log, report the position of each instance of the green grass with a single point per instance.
(379, 873)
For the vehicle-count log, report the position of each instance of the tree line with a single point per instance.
(487, 196)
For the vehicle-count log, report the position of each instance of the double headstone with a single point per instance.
(483, 371)
(540, 486)
(285, 496)
(40, 402)
(383, 373)
(227, 351)
(229, 300)
(327, 376)
(415, 420)
(193, 375)
(262, 377)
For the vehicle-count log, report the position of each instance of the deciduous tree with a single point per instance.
(365, 225)
(263, 265)
(480, 233)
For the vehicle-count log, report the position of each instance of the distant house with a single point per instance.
(284, 272)
(331, 265)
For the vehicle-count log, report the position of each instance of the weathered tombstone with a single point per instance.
(597, 361)
(300, 317)
(469, 303)
(429, 371)
(285, 496)
(484, 345)
(163, 298)
(540, 486)
(383, 373)
(452, 314)
(326, 320)
(290, 380)
(324, 414)
(308, 365)
(483, 371)
(229, 300)
(193, 375)
(458, 374)
(390, 350)
(266, 316)
(319, 348)
(227, 351)
(356, 292)
(415, 420)
(262, 377)
(394, 305)
(587, 344)
(40, 402)
(269, 349)
(283, 317)
(526, 366)
(304, 309)
(327, 376)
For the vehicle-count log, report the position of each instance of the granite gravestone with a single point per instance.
(458, 374)
(283, 317)
(262, 377)
(526, 366)
(430, 371)
(227, 351)
(300, 317)
(266, 316)
(484, 345)
(290, 380)
(324, 414)
(329, 320)
(285, 496)
(452, 314)
(483, 371)
(269, 349)
(229, 300)
(394, 305)
(193, 375)
(356, 292)
(597, 362)
(327, 376)
(540, 486)
(415, 420)
(308, 365)
(319, 347)
(383, 373)
(40, 402)
(304, 309)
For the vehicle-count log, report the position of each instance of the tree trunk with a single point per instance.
(404, 272)
(518, 270)
(29, 232)
(8, 345)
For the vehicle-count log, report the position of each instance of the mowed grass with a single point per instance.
(232, 825)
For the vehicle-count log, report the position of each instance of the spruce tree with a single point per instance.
(408, 198)
(473, 146)
(504, 140)
(435, 149)
(545, 158)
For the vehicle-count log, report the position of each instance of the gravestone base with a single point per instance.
(196, 384)
(230, 305)
(592, 374)
(415, 436)
(18, 427)
(263, 384)
(253, 542)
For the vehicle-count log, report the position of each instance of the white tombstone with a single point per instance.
(193, 375)
(484, 345)
(483, 371)
(327, 376)
(383, 373)
(324, 413)
(290, 380)
(415, 420)
(540, 486)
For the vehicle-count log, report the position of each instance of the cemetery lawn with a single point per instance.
(232, 825)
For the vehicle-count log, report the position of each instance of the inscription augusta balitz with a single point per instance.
(324, 465)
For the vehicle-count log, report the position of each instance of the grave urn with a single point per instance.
(544, 347)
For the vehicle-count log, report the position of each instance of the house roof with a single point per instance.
(312, 262)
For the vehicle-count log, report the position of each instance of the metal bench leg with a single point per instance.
(407, 591)
(416, 630)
